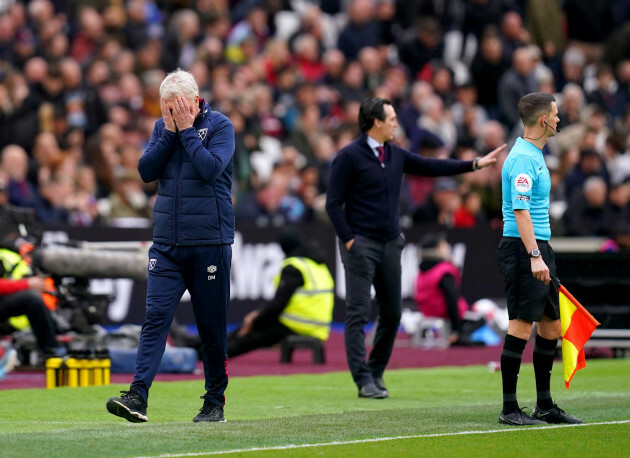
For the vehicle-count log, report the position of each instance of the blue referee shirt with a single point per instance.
(526, 185)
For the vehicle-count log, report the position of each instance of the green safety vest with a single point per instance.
(309, 311)
(15, 268)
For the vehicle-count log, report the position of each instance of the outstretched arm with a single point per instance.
(418, 165)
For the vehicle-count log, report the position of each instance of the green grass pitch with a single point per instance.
(431, 412)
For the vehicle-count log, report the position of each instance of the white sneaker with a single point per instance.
(8, 362)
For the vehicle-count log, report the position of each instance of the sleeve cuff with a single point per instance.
(168, 134)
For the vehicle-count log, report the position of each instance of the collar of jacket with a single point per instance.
(204, 109)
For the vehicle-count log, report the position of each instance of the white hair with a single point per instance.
(179, 82)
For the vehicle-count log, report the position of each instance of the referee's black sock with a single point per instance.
(544, 351)
(510, 366)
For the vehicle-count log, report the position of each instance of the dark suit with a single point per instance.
(362, 204)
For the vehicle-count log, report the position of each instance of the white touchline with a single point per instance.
(383, 439)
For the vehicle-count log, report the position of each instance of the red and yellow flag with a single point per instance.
(577, 327)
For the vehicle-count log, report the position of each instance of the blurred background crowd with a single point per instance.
(79, 96)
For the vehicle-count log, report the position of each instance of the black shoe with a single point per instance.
(519, 418)
(380, 384)
(372, 392)
(555, 415)
(210, 412)
(129, 406)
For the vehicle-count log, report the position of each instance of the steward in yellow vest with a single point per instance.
(303, 303)
(309, 311)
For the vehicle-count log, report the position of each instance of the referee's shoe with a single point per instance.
(555, 415)
(129, 406)
(519, 418)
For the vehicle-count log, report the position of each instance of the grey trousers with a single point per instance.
(371, 262)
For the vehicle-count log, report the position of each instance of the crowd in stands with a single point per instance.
(79, 96)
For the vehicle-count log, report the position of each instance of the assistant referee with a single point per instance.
(527, 263)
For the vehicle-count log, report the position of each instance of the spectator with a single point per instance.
(441, 207)
(14, 163)
(438, 293)
(334, 62)
(572, 68)
(590, 164)
(307, 57)
(468, 214)
(513, 34)
(128, 200)
(487, 68)
(480, 14)
(468, 115)
(515, 83)
(411, 110)
(618, 208)
(180, 40)
(424, 47)
(586, 214)
(311, 23)
(571, 105)
(370, 60)
(275, 58)
(90, 36)
(436, 121)
(352, 87)
(307, 132)
(605, 94)
(545, 23)
(361, 29)
(248, 35)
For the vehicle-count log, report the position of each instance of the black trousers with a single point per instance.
(31, 304)
(257, 338)
(371, 262)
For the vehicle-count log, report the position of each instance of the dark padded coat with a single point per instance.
(194, 172)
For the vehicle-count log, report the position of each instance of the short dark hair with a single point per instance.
(371, 109)
(531, 106)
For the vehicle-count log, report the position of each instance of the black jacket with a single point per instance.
(363, 195)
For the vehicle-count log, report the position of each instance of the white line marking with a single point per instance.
(383, 439)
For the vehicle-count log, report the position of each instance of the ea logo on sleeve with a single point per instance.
(523, 182)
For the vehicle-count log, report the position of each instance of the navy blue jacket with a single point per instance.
(194, 172)
(363, 196)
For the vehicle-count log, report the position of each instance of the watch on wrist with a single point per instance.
(535, 253)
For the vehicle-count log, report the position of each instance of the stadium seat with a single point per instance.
(290, 343)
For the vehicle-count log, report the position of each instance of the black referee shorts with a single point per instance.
(527, 298)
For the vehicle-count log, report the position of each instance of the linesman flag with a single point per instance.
(577, 327)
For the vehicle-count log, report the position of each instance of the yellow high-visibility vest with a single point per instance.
(309, 311)
(15, 268)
